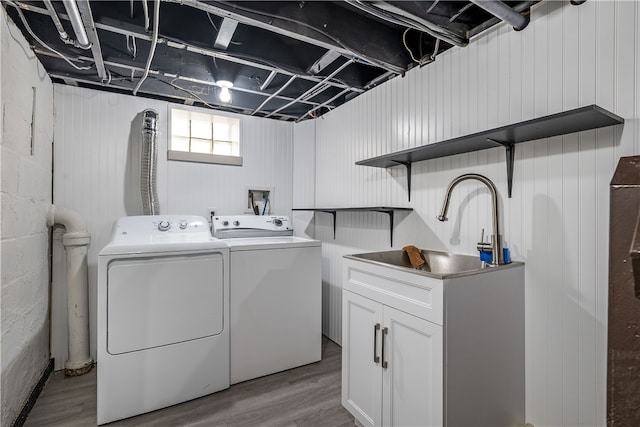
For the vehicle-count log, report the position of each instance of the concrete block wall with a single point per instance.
(26, 96)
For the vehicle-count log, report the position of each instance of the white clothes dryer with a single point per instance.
(163, 315)
(276, 295)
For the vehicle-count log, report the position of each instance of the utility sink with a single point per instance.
(439, 264)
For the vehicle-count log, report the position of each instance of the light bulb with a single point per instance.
(225, 94)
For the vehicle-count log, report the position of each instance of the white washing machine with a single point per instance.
(163, 315)
(276, 295)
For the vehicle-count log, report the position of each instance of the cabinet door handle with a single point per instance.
(385, 331)
(376, 328)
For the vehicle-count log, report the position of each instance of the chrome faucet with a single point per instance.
(496, 238)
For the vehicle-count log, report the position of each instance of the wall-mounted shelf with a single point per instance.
(580, 119)
(390, 211)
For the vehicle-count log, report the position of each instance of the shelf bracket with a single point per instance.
(333, 214)
(510, 148)
(391, 215)
(407, 166)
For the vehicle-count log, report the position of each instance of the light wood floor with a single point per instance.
(305, 396)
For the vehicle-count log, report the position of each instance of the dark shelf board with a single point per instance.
(357, 209)
(580, 119)
(390, 211)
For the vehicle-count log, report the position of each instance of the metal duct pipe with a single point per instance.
(76, 22)
(149, 163)
(504, 12)
(75, 241)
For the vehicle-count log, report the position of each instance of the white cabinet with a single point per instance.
(412, 379)
(361, 368)
(391, 364)
(422, 351)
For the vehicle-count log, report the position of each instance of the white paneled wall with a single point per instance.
(304, 177)
(556, 221)
(96, 151)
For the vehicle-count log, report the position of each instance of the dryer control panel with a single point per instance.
(149, 226)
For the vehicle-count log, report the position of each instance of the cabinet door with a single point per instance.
(412, 380)
(361, 373)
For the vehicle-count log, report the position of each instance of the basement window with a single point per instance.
(198, 136)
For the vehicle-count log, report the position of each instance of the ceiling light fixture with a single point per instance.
(225, 94)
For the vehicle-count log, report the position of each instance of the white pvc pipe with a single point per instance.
(75, 242)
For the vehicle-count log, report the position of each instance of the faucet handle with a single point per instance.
(482, 245)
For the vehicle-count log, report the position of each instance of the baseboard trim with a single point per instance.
(31, 401)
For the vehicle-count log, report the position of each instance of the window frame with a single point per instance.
(188, 156)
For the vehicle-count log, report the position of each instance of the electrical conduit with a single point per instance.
(75, 241)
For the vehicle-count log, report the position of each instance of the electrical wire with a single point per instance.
(276, 67)
(190, 92)
(145, 8)
(131, 46)
(46, 46)
(154, 43)
(404, 41)
(212, 24)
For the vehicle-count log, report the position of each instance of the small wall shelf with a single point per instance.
(390, 211)
(580, 119)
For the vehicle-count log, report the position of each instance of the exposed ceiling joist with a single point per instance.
(323, 62)
(281, 57)
(322, 24)
(225, 33)
(196, 49)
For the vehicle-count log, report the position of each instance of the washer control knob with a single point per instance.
(183, 225)
(225, 223)
(236, 223)
(277, 222)
(164, 225)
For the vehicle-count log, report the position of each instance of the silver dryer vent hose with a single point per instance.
(149, 163)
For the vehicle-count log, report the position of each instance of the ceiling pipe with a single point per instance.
(76, 22)
(154, 42)
(56, 21)
(500, 10)
(90, 28)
